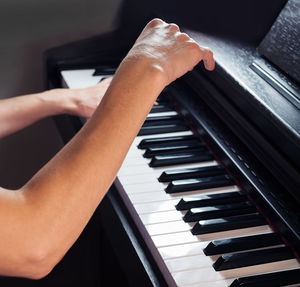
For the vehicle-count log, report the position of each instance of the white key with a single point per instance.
(207, 274)
(160, 217)
(149, 207)
(159, 195)
(162, 114)
(187, 237)
(189, 262)
(144, 168)
(76, 79)
(183, 250)
(138, 139)
(168, 227)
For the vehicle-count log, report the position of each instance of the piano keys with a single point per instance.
(207, 230)
(211, 183)
(183, 253)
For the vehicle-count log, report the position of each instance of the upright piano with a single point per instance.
(209, 193)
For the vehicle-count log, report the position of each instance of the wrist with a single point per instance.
(57, 101)
(142, 70)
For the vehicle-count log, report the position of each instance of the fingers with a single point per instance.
(164, 46)
(158, 22)
(205, 54)
(208, 58)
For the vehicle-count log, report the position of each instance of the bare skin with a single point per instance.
(41, 221)
(22, 111)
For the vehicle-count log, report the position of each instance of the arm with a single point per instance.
(19, 112)
(40, 222)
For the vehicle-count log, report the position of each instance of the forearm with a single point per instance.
(19, 112)
(61, 198)
(47, 215)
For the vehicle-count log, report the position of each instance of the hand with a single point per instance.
(164, 47)
(84, 101)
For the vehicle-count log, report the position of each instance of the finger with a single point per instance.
(208, 58)
(174, 27)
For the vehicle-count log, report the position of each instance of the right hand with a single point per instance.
(164, 47)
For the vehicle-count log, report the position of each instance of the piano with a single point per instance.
(209, 193)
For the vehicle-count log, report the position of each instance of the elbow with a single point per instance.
(37, 264)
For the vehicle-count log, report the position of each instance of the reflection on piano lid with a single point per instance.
(231, 216)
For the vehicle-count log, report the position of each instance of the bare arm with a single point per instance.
(19, 112)
(40, 222)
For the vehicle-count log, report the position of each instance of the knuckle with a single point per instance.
(173, 27)
(155, 22)
(183, 37)
(193, 45)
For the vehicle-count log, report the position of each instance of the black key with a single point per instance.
(180, 158)
(161, 108)
(211, 200)
(161, 129)
(189, 147)
(242, 243)
(161, 99)
(204, 171)
(164, 141)
(176, 119)
(218, 211)
(228, 223)
(100, 71)
(237, 260)
(183, 185)
(274, 279)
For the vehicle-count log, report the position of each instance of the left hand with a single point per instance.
(85, 101)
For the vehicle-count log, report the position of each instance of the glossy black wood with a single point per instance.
(163, 120)
(219, 211)
(166, 141)
(205, 171)
(229, 245)
(184, 185)
(161, 129)
(252, 258)
(211, 200)
(274, 279)
(228, 223)
(180, 158)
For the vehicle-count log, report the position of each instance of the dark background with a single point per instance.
(27, 28)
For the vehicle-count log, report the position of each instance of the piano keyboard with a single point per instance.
(204, 227)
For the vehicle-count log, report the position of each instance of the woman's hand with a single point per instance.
(83, 102)
(162, 46)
